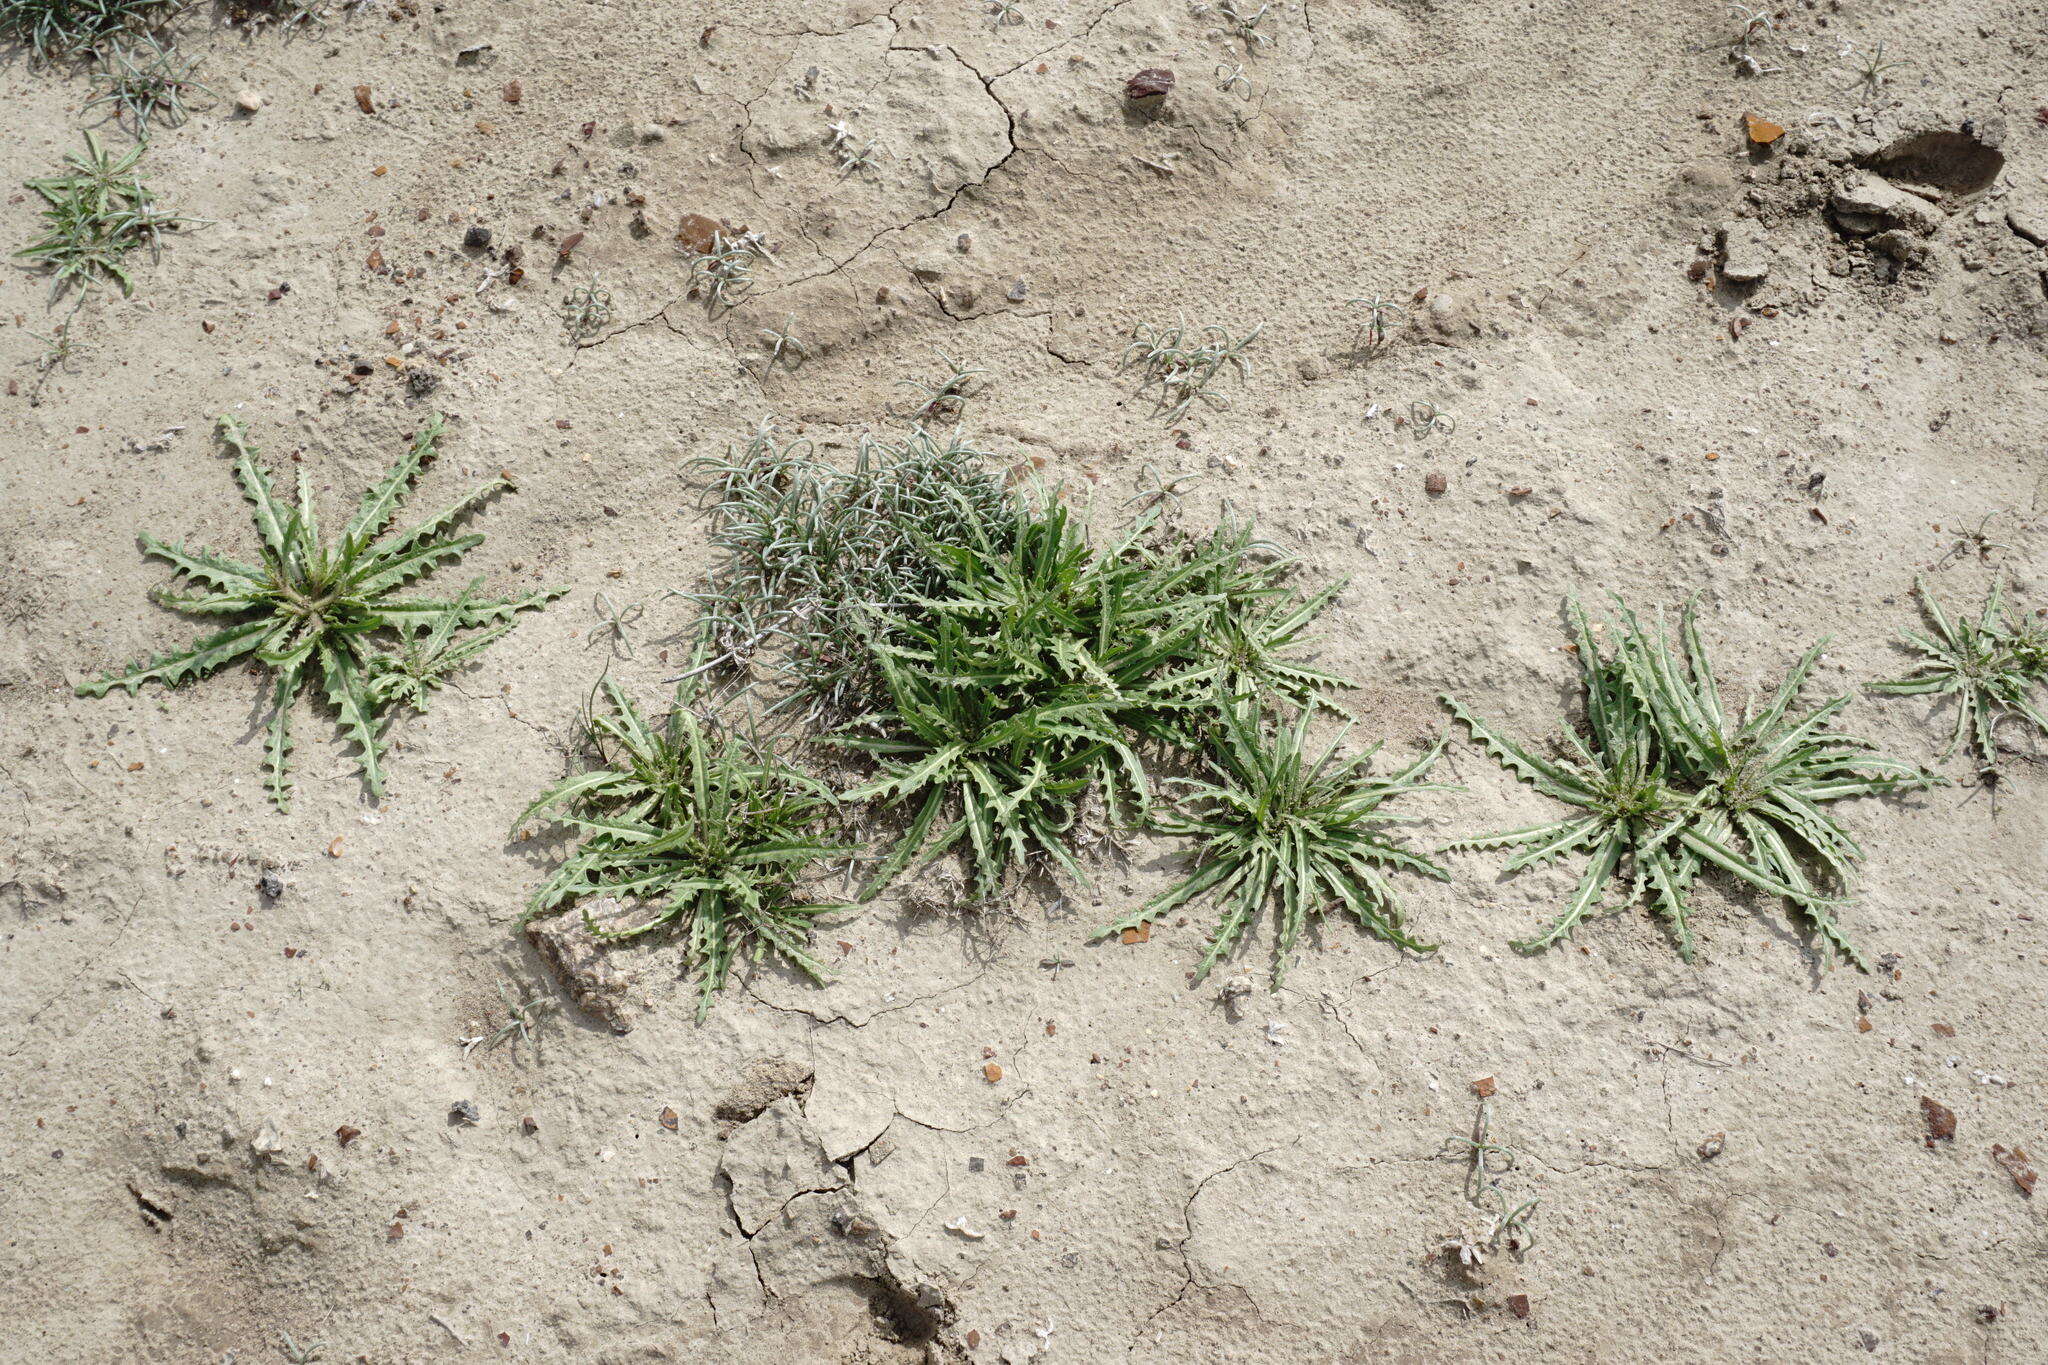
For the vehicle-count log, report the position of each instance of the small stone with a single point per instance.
(1518, 1304)
(653, 132)
(466, 1112)
(992, 1073)
(1941, 1121)
(477, 238)
(248, 101)
(513, 93)
(268, 1141)
(347, 1134)
(270, 886)
(1713, 1145)
(1484, 1087)
(1018, 289)
(528, 1126)
(1435, 484)
(1150, 84)
(504, 303)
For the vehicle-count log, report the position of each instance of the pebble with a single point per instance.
(1150, 84)
(248, 101)
(477, 238)
(464, 1111)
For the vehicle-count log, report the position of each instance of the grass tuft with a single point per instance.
(94, 215)
(815, 556)
(51, 29)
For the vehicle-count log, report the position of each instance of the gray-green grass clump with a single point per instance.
(51, 29)
(1666, 784)
(706, 831)
(330, 615)
(816, 558)
(1992, 664)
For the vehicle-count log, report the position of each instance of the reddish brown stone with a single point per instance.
(1150, 84)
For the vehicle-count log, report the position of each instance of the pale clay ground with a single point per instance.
(1198, 1187)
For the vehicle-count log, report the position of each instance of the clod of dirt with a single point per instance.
(1952, 162)
(270, 886)
(698, 233)
(465, 1112)
(1941, 1121)
(591, 976)
(1744, 258)
(1865, 204)
(477, 238)
(762, 1082)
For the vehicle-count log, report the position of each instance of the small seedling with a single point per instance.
(310, 609)
(147, 85)
(706, 836)
(1487, 1161)
(58, 348)
(96, 215)
(1668, 785)
(853, 159)
(1181, 367)
(1427, 419)
(1230, 76)
(1003, 13)
(1243, 23)
(586, 311)
(519, 1022)
(783, 347)
(612, 623)
(296, 1354)
(724, 275)
(1875, 70)
(1752, 24)
(1374, 332)
(944, 399)
(1991, 666)
(1279, 825)
(67, 28)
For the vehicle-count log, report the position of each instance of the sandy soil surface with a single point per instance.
(1731, 1157)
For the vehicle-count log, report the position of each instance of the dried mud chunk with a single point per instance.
(762, 1082)
(586, 970)
(1867, 203)
(1941, 1121)
(770, 1161)
(1744, 257)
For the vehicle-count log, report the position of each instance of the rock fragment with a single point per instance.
(1148, 85)
(1744, 257)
